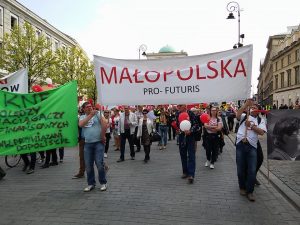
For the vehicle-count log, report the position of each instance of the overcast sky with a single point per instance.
(116, 28)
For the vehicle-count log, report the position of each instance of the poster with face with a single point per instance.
(284, 134)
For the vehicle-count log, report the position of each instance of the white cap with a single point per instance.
(48, 80)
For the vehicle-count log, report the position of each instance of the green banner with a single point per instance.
(38, 121)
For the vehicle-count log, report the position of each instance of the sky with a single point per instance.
(117, 28)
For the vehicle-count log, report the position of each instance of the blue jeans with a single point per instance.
(187, 154)
(246, 159)
(163, 131)
(93, 153)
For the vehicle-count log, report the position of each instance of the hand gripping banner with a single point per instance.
(215, 77)
(38, 121)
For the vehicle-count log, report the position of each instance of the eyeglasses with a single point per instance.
(144, 112)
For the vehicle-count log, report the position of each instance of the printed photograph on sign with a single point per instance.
(284, 135)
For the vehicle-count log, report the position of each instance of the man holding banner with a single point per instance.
(94, 129)
(246, 147)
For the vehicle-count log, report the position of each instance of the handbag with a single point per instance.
(155, 137)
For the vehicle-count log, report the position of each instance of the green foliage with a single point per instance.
(72, 64)
(22, 48)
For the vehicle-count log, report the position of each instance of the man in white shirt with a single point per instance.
(126, 128)
(246, 147)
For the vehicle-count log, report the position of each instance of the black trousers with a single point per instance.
(32, 161)
(51, 153)
(260, 156)
(61, 153)
(171, 130)
(107, 135)
(129, 137)
(212, 147)
(147, 151)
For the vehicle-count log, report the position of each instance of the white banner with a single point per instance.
(215, 77)
(15, 82)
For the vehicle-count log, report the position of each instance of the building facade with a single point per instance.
(279, 80)
(12, 14)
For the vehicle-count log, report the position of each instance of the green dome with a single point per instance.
(167, 49)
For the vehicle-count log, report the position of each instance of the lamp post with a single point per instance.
(235, 7)
(143, 49)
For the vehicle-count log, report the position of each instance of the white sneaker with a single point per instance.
(212, 166)
(89, 188)
(207, 163)
(105, 155)
(103, 187)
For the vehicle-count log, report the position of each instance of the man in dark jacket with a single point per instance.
(187, 145)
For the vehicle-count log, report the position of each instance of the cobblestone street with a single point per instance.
(140, 193)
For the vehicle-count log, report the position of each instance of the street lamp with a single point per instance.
(143, 49)
(235, 7)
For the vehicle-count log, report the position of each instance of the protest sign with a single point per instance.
(38, 121)
(284, 135)
(15, 82)
(215, 77)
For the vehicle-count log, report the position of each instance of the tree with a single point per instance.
(23, 48)
(73, 64)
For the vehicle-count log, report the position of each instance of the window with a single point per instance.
(271, 86)
(289, 77)
(282, 79)
(281, 63)
(1, 16)
(297, 75)
(56, 45)
(276, 66)
(38, 33)
(14, 21)
(289, 59)
(48, 39)
(276, 82)
(297, 55)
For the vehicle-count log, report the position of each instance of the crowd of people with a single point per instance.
(137, 125)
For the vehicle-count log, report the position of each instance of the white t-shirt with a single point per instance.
(252, 136)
